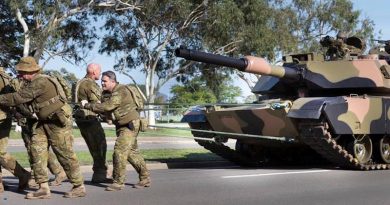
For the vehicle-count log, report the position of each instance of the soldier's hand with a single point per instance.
(83, 103)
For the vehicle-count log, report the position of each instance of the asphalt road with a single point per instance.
(233, 185)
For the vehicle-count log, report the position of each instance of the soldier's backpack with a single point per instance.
(137, 97)
(139, 101)
(64, 84)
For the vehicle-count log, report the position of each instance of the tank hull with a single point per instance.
(350, 131)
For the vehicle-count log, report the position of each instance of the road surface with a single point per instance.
(232, 185)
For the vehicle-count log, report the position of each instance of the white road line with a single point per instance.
(273, 174)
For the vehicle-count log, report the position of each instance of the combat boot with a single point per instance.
(42, 193)
(58, 179)
(77, 191)
(32, 184)
(115, 187)
(143, 183)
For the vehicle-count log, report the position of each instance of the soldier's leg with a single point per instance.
(53, 164)
(61, 141)
(9, 162)
(94, 137)
(121, 152)
(26, 136)
(137, 160)
(39, 153)
(55, 168)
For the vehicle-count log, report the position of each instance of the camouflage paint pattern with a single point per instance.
(120, 103)
(61, 141)
(340, 102)
(126, 149)
(256, 120)
(54, 128)
(27, 133)
(362, 73)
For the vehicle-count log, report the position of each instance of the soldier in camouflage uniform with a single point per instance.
(117, 102)
(6, 160)
(54, 127)
(28, 122)
(88, 123)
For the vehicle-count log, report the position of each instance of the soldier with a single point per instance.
(54, 127)
(6, 160)
(28, 122)
(88, 123)
(117, 101)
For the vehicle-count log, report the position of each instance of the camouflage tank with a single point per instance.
(337, 104)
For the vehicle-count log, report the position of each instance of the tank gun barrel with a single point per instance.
(248, 64)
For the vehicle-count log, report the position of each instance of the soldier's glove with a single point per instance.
(83, 103)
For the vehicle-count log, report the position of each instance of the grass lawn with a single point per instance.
(154, 155)
(110, 132)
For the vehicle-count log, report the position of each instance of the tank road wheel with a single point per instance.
(384, 148)
(361, 148)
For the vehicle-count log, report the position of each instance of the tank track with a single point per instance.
(318, 137)
(219, 148)
(228, 153)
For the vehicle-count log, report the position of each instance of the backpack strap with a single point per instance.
(76, 90)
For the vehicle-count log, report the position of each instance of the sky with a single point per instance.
(376, 10)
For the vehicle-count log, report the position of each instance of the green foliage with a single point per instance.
(193, 92)
(60, 28)
(9, 35)
(146, 38)
(315, 19)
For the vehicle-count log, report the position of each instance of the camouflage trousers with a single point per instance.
(93, 134)
(126, 149)
(60, 138)
(6, 160)
(27, 133)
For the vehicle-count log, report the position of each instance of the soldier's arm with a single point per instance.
(107, 106)
(94, 94)
(25, 94)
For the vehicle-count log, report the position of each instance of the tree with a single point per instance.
(45, 28)
(145, 39)
(271, 28)
(194, 92)
(9, 34)
(315, 19)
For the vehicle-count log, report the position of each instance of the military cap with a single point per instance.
(27, 64)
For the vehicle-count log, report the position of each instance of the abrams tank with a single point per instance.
(334, 106)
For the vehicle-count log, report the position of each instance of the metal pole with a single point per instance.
(236, 135)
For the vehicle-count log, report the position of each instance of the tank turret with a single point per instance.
(342, 70)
